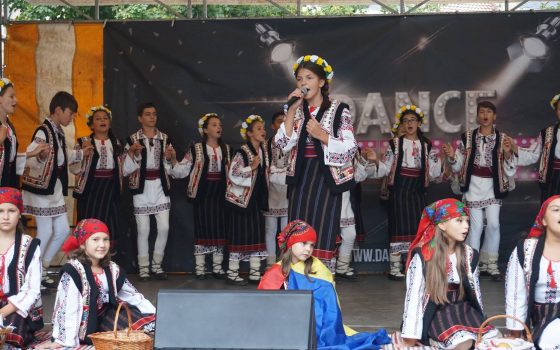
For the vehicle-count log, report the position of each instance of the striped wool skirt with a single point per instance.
(246, 231)
(406, 203)
(456, 322)
(210, 217)
(541, 316)
(140, 321)
(102, 203)
(552, 186)
(22, 334)
(313, 202)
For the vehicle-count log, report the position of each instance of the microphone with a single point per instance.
(293, 99)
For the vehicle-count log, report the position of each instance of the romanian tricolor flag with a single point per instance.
(331, 333)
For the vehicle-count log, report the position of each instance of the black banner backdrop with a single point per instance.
(443, 63)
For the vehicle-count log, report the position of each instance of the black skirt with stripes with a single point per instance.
(313, 202)
(541, 316)
(552, 187)
(407, 199)
(211, 216)
(22, 335)
(102, 203)
(139, 321)
(455, 319)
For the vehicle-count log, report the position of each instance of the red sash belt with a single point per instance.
(482, 171)
(104, 173)
(410, 172)
(152, 174)
(213, 176)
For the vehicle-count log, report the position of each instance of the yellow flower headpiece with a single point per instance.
(202, 120)
(5, 82)
(94, 109)
(248, 121)
(321, 62)
(402, 111)
(554, 101)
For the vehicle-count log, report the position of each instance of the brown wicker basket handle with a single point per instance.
(527, 331)
(117, 318)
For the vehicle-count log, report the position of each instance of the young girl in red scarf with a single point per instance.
(299, 270)
(90, 289)
(20, 272)
(443, 270)
(533, 277)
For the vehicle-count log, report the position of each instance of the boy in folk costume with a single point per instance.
(247, 194)
(410, 165)
(45, 178)
(546, 151)
(485, 163)
(149, 160)
(206, 165)
(277, 215)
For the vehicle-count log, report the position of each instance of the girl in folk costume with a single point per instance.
(247, 194)
(533, 279)
(90, 289)
(8, 140)
(409, 164)
(546, 151)
(319, 137)
(485, 163)
(277, 215)
(299, 270)
(148, 164)
(206, 165)
(20, 272)
(45, 178)
(99, 175)
(443, 304)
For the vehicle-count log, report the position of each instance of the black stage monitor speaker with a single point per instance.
(226, 319)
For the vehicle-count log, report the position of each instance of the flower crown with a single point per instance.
(202, 120)
(554, 101)
(5, 82)
(248, 121)
(321, 62)
(94, 109)
(402, 111)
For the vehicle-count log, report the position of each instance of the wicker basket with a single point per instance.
(3, 334)
(511, 343)
(122, 340)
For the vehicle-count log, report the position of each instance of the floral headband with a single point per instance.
(248, 121)
(203, 120)
(94, 109)
(434, 214)
(5, 82)
(321, 62)
(402, 111)
(554, 101)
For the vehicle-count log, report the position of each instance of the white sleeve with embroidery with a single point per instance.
(183, 168)
(414, 302)
(67, 313)
(30, 291)
(459, 158)
(360, 169)
(384, 166)
(516, 292)
(477, 292)
(240, 174)
(529, 155)
(277, 174)
(133, 297)
(75, 155)
(341, 149)
(39, 138)
(435, 165)
(284, 142)
(130, 165)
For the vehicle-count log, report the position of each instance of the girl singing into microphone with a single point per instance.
(318, 135)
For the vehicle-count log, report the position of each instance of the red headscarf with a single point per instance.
(84, 229)
(538, 227)
(296, 231)
(11, 195)
(434, 214)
